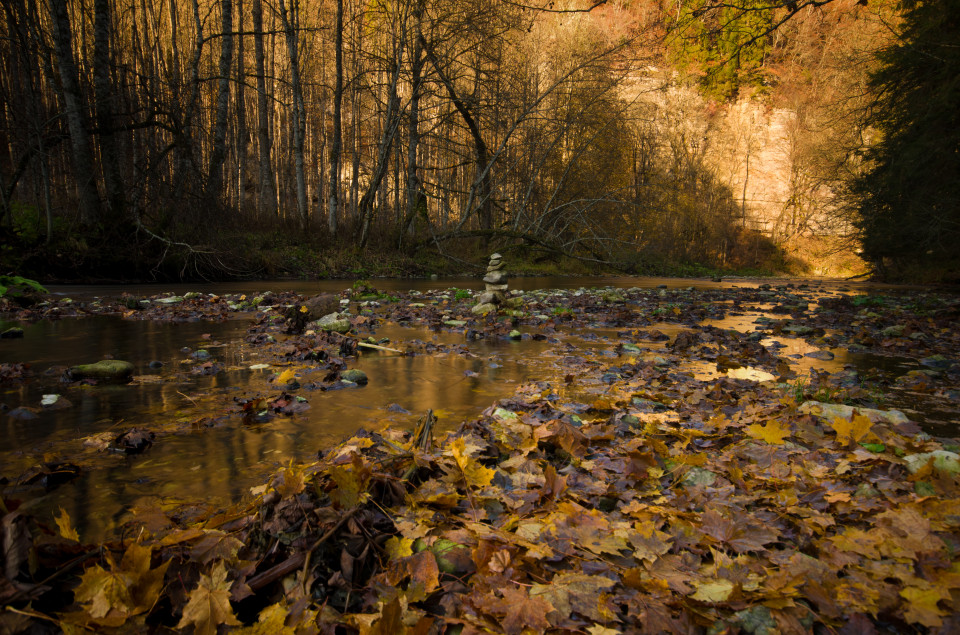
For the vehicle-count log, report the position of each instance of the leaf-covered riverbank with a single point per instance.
(630, 493)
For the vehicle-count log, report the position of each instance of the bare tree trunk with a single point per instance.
(242, 137)
(268, 185)
(109, 150)
(391, 122)
(481, 187)
(416, 201)
(73, 109)
(290, 24)
(355, 177)
(218, 153)
(336, 146)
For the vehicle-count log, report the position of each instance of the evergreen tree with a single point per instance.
(909, 194)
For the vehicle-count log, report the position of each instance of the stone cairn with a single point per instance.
(496, 286)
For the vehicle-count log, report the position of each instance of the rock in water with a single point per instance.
(354, 375)
(112, 370)
(311, 310)
(333, 322)
(135, 440)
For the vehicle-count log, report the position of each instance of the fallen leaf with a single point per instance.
(921, 606)
(113, 596)
(66, 526)
(576, 592)
(518, 611)
(209, 604)
(714, 591)
(286, 377)
(398, 547)
(773, 432)
(851, 430)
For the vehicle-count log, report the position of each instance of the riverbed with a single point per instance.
(212, 456)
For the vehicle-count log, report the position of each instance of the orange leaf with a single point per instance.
(852, 430)
(773, 432)
(424, 570)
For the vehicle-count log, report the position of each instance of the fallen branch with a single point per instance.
(377, 347)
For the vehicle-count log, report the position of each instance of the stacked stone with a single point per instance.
(496, 286)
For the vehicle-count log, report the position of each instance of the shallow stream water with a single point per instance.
(219, 458)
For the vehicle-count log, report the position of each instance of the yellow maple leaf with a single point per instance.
(128, 589)
(852, 430)
(271, 622)
(290, 481)
(921, 606)
(397, 547)
(718, 590)
(773, 432)
(474, 473)
(351, 483)
(209, 604)
(66, 526)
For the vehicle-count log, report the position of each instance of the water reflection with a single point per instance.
(220, 463)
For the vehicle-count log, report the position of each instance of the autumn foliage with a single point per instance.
(552, 515)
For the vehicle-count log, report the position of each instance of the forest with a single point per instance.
(216, 138)
(284, 401)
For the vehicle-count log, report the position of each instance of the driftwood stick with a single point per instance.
(378, 347)
(277, 571)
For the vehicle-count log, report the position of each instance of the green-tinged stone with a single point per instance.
(454, 323)
(105, 370)
(866, 490)
(699, 476)
(515, 335)
(483, 309)
(757, 620)
(630, 420)
(893, 331)
(503, 413)
(923, 488)
(513, 303)
(943, 460)
(354, 375)
(632, 349)
(842, 411)
(333, 322)
(174, 299)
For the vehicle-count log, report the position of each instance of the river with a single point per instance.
(215, 457)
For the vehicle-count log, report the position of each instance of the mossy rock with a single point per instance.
(354, 375)
(111, 370)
